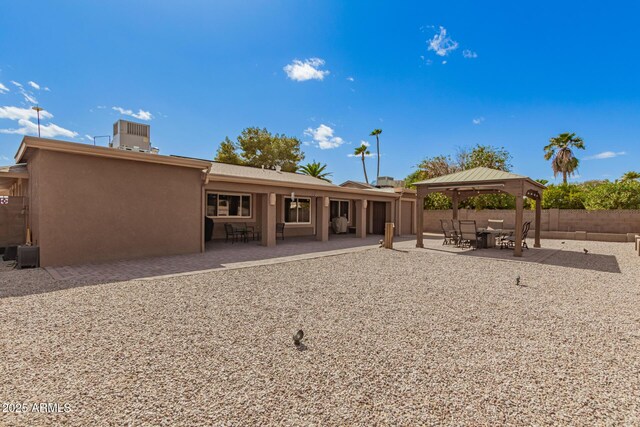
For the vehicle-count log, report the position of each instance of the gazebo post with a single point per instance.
(518, 232)
(419, 218)
(454, 203)
(536, 244)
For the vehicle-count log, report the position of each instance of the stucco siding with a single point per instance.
(92, 209)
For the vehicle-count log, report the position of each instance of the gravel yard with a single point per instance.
(415, 337)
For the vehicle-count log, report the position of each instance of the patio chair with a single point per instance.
(280, 229)
(233, 233)
(250, 229)
(468, 234)
(456, 228)
(450, 234)
(510, 241)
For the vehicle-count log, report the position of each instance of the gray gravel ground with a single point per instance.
(399, 338)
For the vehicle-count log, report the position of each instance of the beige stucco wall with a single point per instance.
(91, 209)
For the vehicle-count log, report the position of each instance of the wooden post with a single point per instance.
(388, 235)
(419, 220)
(454, 202)
(518, 232)
(536, 244)
(322, 227)
(268, 223)
(361, 218)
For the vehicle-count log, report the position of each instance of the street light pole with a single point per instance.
(37, 110)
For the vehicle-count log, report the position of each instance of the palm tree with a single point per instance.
(560, 149)
(316, 169)
(363, 151)
(630, 176)
(376, 133)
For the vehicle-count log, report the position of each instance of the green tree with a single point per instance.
(316, 169)
(484, 156)
(613, 195)
(560, 152)
(258, 147)
(564, 196)
(376, 133)
(631, 175)
(227, 153)
(363, 151)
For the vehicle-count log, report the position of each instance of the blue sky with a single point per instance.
(510, 74)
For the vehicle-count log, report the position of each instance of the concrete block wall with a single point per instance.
(577, 224)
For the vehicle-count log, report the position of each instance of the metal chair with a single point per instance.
(234, 233)
(509, 242)
(468, 234)
(450, 234)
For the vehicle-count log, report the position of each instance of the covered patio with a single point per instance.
(460, 186)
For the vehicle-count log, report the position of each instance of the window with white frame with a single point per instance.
(297, 210)
(228, 205)
(338, 208)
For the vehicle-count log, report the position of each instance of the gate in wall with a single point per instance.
(13, 220)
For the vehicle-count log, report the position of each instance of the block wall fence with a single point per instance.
(578, 224)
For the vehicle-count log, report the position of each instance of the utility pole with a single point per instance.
(37, 110)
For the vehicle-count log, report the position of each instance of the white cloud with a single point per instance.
(469, 54)
(444, 62)
(351, 79)
(308, 69)
(5, 158)
(3, 88)
(34, 85)
(141, 114)
(28, 96)
(89, 137)
(605, 155)
(17, 113)
(323, 137)
(46, 131)
(477, 120)
(441, 43)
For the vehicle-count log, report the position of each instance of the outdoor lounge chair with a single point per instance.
(233, 233)
(510, 241)
(450, 234)
(468, 234)
(280, 230)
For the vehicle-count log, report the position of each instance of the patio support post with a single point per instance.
(268, 223)
(322, 227)
(454, 203)
(361, 218)
(518, 232)
(536, 244)
(419, 219)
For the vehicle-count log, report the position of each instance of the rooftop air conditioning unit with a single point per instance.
(132, 136)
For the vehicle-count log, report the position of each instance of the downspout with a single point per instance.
(203, 203)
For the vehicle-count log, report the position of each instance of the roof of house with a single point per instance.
(476, 176)
(9, 175)
(30, 143)
(237, 171)
(356, 184)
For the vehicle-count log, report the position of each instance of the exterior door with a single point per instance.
(379, 217)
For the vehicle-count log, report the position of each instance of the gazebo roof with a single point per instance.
(477, 176)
